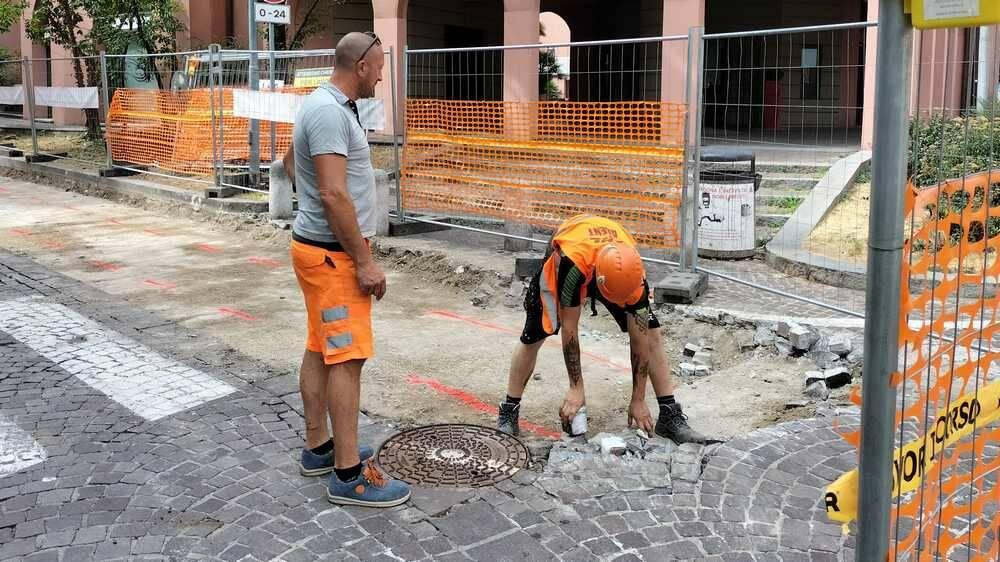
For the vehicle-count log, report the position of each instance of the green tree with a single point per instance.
(548, 72)
(10, 12)
(59, 22)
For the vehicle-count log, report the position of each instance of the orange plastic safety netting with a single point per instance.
(172, 130)
(945, 468)
(540, 163)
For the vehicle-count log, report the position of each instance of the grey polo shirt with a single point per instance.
(326, 124)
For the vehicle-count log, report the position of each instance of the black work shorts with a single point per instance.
(534, 333)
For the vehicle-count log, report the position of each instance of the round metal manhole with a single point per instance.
(453, 455)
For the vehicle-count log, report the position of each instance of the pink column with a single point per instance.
(39, 73)
(520, 84)
(679, 16)
(868, 112)
(390, 26)
(520, 66)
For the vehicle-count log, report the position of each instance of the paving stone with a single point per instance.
(47, 556)
(516, 546)
(632, 539)
(469, 523)
(435, 501)
(579, 554)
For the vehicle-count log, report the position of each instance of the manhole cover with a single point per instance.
(453, 455)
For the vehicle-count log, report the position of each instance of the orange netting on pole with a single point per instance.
(946, 499)
(172, 130)
(540, 163)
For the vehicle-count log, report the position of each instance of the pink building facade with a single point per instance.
(418, 24)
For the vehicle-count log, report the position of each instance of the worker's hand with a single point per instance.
(570, 406)
(638, 416)
(371, 279)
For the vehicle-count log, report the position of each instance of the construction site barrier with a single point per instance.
(540, 163)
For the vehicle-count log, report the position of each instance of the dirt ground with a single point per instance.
(843, 233)
(440, 358)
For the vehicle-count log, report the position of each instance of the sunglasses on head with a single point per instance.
(375, 41)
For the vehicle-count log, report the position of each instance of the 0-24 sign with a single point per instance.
(272, 12)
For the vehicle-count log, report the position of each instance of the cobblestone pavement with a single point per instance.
(108, 461)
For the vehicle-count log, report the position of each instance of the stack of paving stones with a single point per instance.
(220, 481)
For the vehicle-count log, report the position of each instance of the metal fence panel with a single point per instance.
(492, 133)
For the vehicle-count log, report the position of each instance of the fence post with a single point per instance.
(213, 54)
(29, 93)
(395, 129)
(270, 64)
(253, 78)
(106, 100)
(698, 35)
(885, 251)
(683, 212)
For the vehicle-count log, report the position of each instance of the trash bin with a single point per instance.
(726, 210)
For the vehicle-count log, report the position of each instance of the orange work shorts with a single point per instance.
(339, 314)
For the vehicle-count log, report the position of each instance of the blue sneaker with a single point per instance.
(312, 464)
(372, 488)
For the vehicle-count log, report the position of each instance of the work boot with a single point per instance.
(507, 418)
(672, 424)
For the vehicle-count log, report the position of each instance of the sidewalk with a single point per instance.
(90, 478)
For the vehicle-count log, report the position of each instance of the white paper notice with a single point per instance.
(949, 9)
(266, 106)
(12, 95)
(77, 98)
(371, 112)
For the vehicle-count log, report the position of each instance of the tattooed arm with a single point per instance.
(570, 330)
(638, 412)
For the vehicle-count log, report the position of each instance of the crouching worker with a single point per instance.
(595, 257)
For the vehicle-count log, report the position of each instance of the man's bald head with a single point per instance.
(358, 65)
(351, 47)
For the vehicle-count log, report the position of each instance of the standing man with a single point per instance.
(331, 165)
(596, 257)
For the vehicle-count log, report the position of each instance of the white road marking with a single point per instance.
(149, 384)
(17, 448)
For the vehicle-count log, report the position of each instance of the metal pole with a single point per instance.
(395, 130)
(682, 212)
(885, 251)
(213, 53)
(29, 93)
(270, 48)
(106, 99)
(699, 32)
(220, 82)
(253, 77)
(985, 90)
(406, 96)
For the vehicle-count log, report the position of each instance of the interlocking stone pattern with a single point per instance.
(217, 479)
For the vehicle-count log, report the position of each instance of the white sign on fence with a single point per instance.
(266, 106)
(61, 96)
(371, 113)
(281, 108)
(272, 13)
(12, 95)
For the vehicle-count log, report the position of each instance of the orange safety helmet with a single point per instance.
(619, 273)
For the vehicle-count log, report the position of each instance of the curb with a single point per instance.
(132, 187)
(785, 252)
